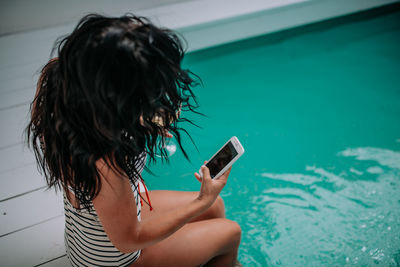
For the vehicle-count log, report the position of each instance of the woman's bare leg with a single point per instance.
(208, 238)
(164, 200)
(215, 241)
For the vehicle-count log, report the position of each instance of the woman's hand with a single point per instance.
(210, 188)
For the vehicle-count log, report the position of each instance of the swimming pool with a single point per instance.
(317, 112)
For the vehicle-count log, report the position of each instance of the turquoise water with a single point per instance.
(318, 115)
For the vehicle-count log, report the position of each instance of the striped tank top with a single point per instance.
(86, 242)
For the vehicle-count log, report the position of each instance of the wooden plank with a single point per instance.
(18, 172)
(20, 181)
(18, 76)
(20, 64)
(16, 98)
(40, 13)
(27, 48)
(30, 209)
(17, 92)
(15, 157)
(14, 121)
(58, 262)
(34, 245)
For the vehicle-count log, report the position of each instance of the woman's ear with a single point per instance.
(141, 120)
(156, 119)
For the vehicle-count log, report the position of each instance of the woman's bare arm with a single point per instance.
(116, 208)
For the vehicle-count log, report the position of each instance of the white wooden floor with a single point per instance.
(31, 225)
(32, 222)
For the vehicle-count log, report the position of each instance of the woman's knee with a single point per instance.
(231, 231)
(235, 232)
(217, 210)
(230, 235)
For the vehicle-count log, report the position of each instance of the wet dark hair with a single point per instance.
(98, 98)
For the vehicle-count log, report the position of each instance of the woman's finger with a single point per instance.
(198, 177)
(228, 171)
(206, 172)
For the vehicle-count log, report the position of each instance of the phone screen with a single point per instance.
(221, 159)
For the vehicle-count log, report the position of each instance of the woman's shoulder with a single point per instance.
(112, 178)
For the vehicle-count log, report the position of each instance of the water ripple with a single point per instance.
(384, 157)
(325, 216)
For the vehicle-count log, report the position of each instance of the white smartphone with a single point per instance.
(224, 158)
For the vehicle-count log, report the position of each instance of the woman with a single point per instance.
(115, 86)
